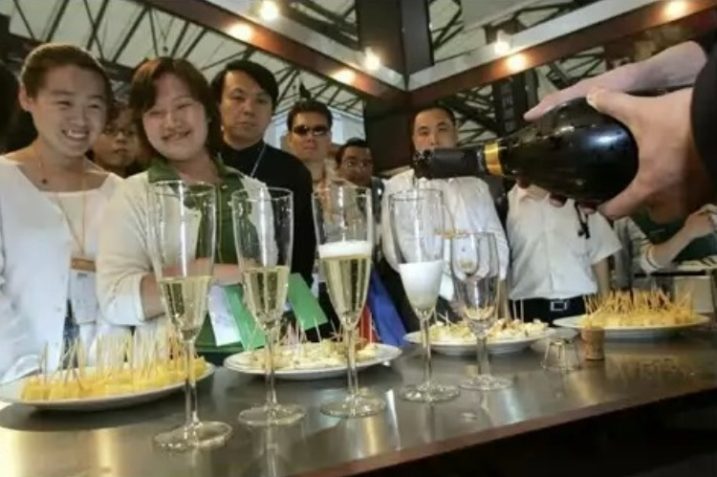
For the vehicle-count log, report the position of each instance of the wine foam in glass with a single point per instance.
(422, 282)
(345, 248)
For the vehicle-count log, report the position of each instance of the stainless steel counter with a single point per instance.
(118, 443)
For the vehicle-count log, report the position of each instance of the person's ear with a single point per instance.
(26, 102)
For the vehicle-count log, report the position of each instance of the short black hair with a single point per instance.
(353, 142)
(451, 115)
(263, 77)
(309, 106)
(8, 100)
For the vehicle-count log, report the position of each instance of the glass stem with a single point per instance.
(190, 387)
(269, 359)
(482, 354)
(349, 338)
(425, 339)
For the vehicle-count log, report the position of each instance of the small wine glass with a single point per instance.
(476, 277)
(417, 223)
(263, 234)
(343, 218)
(182, 227)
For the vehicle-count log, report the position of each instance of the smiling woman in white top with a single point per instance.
(178, 121)
(51, 201)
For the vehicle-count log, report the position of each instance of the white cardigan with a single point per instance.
(125, 253)
(35, 251)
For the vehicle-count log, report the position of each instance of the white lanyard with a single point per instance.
(258, 160)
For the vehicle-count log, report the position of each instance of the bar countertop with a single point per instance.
(118, 443)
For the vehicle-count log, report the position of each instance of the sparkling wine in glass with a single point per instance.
(417, 225)
(263, 233)
(182, 229)
(476, 277)
(343, 219)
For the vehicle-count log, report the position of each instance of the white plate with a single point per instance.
(10, 392)
(238, 362)
(634, 332)
(462, 348)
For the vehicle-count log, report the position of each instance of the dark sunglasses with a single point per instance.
(315, 131)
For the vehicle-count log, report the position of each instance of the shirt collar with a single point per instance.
(252, 150)
(522, 194)
(160, 170)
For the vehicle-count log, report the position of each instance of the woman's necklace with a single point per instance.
(77, 262)
(259, 157)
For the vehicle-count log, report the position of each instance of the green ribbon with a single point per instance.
(303, 303)
(305, 306)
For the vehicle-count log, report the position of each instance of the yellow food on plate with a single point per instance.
(646, 309)
(101, 382)
(502, 330)
(121, 365)
(308, 355)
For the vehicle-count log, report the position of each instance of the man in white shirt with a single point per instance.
(469, 205)
(559, 255)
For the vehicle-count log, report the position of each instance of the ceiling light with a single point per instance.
(371, 61)
(345, 75)
(517, 62)
(502, 43)
(269, 10)
(675, 9)
(241, 31)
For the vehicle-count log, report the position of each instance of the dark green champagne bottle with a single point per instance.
(573, 151)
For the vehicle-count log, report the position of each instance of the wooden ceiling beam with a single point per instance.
(223, 21)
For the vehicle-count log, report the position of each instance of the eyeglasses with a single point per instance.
(358, 163)
(316, 131)
(113, 131)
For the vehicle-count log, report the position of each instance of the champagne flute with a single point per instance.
(263, 234)
(182, 228)
(343, 218)
(476, 277)
(417, 224)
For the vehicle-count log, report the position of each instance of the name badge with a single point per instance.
(83, 296)
(224, 326)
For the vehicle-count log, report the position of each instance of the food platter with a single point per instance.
(308, 361)
(504, 337)
(495, 347)
(650, 332)
(637, 315)
(12, 392)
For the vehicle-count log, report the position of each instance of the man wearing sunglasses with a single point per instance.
(309, 124)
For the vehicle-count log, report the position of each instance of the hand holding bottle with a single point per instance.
(619, 79)
(677, 65)
(671, 179)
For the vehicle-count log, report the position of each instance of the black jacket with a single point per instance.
(704, 107)
(277, 168)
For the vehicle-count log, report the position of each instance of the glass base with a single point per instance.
(276, 415)
(361, 405)
(202, 435)
(486, 382)
(429, 392)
